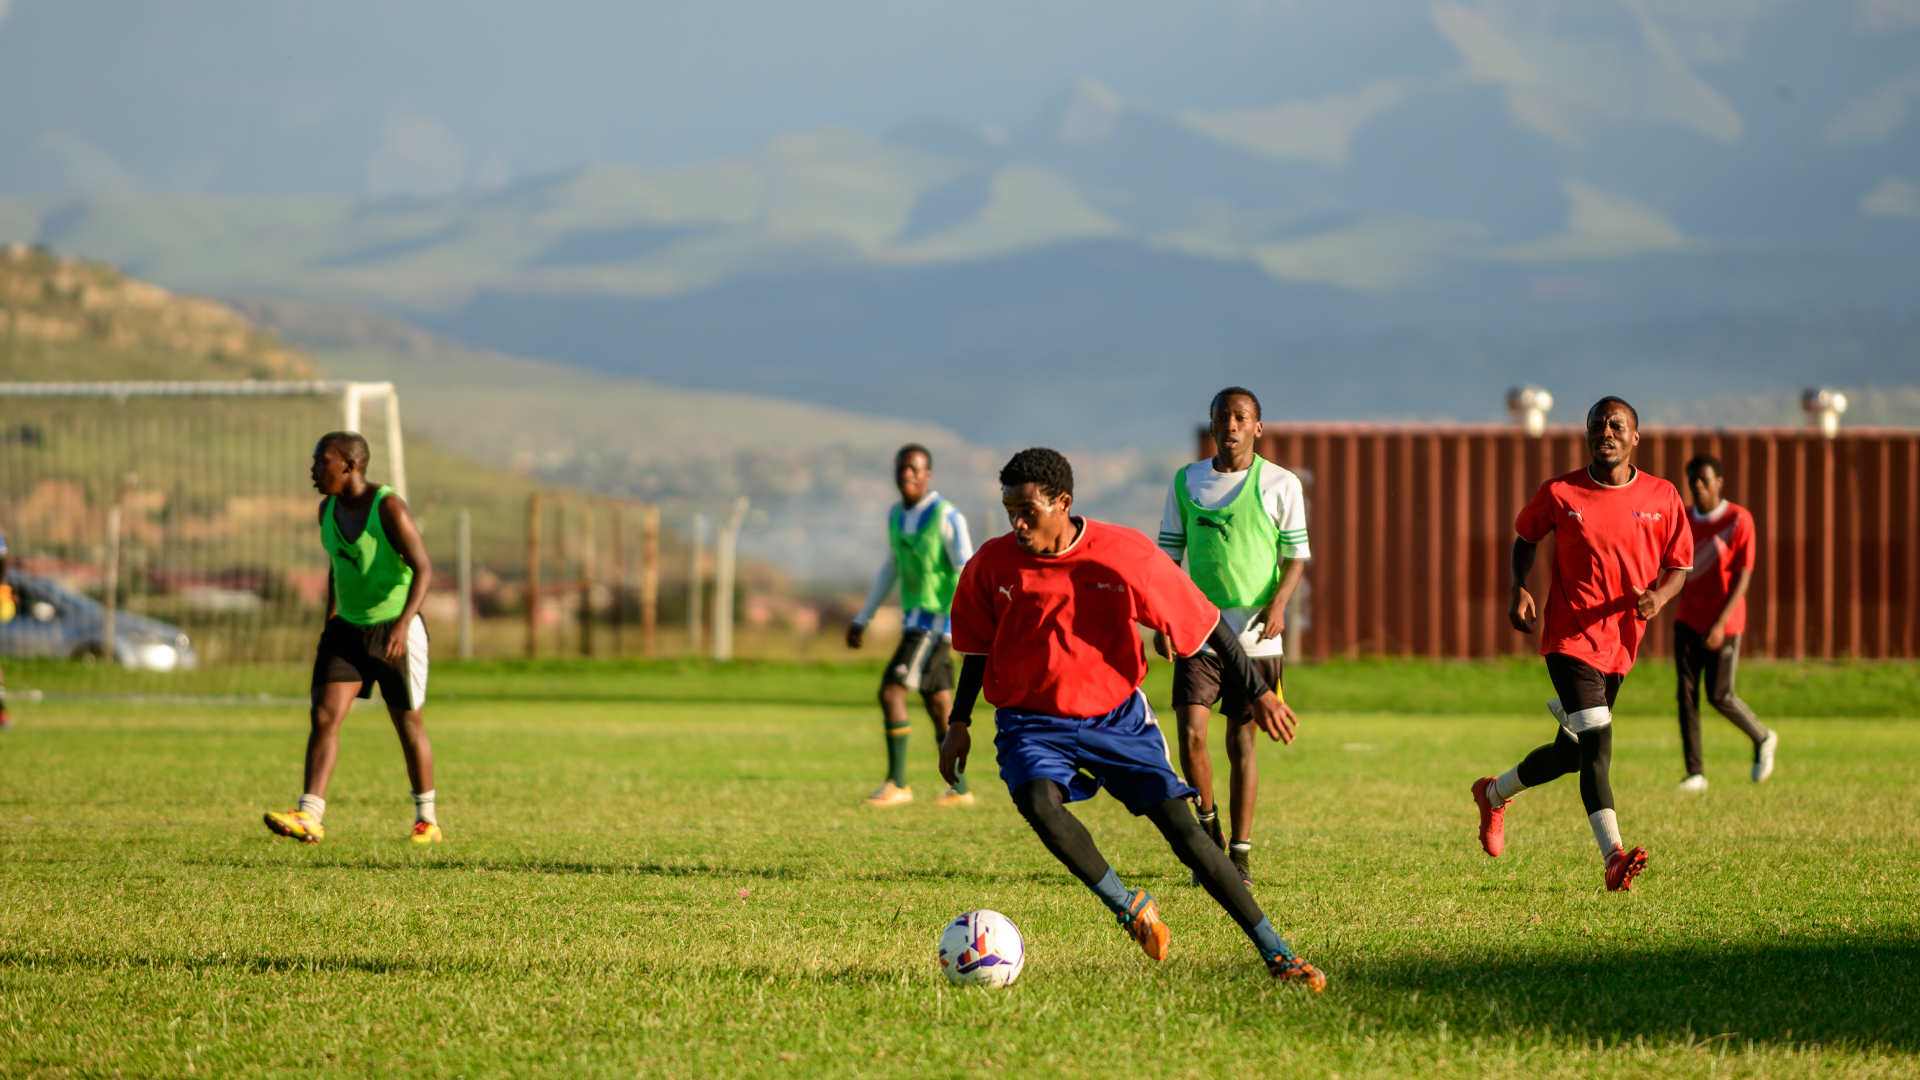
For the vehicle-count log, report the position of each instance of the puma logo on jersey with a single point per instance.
(1007, 591)
(1224, 525)
(1575, 515)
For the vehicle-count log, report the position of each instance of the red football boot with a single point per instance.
(1493, 819)
(1623, 866)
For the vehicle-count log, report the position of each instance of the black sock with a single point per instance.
(1043, 804)
(1552, 761)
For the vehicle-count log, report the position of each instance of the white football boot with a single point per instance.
(1763, 756)
(1696, 782)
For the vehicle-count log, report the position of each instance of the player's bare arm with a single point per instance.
(1717, 633)
(1648, 602)
(1521, 610)
(398, 523)
(1274, 619)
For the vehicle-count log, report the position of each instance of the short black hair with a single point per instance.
(913, 448)
(1039, 465)
(1612, 400)
(1703, 461)
(352, 446)
(1214, 405)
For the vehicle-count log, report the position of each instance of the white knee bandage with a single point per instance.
(1588, 720)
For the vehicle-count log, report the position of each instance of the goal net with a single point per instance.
(161, 537)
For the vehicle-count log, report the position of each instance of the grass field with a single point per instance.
(664, 871)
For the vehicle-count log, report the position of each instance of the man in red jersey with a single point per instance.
(1045, 617)
(1621, 551)
(1710, 617)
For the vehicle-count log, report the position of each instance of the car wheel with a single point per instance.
(87, 652)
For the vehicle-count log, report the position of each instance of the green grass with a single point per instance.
(587, 916)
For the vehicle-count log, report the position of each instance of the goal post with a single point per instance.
(154, 527)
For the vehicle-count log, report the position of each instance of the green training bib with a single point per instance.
(927, 576)
(1233, 553)
(370, 579)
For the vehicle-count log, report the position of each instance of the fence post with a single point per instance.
(694, 583)
(725, 543)
(464, 540)
(586, 578)
(533, 575)
(649, 576)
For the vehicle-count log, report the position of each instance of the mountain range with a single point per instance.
(1643, 198)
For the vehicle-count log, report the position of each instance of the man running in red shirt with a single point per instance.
(1622, 549)
(1710, 617)
(1045, 617)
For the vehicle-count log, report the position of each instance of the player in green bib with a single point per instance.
(376, 583)
(927, 545)
(1239, 522)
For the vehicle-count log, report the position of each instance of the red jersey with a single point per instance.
(1722, 547)
(1058, 631)
(1608, 541)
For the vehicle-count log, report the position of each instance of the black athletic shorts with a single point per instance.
(350, 653)
(923, 662)
(1581, 685)
(1197, 681)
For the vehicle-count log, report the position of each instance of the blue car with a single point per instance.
(52, 620)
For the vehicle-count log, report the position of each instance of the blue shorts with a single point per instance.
(1122, 751)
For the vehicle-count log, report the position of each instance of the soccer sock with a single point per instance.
(897, 753)
(1210, 821)
(1606, 831)
(1596, 759)
(423, 807)
(1111, 892)
(1507, 785)
(315, 805)
(1268, 941)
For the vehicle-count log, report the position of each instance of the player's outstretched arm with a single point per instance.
(1648, 602)
(1521, 611)
(959, 741)
(1270, 714)
(399, 526)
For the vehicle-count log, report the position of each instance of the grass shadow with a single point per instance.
(1852, 992)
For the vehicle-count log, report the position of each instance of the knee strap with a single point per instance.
(1588, 720)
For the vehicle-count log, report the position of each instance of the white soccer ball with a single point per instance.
(982, 948)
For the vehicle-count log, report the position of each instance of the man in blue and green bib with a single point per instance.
(928, 544)
(376, 583)
(1240, 524)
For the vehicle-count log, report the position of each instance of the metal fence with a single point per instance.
(1411, 528)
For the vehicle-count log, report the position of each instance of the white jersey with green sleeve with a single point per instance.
(1284, 501)
(959, 545)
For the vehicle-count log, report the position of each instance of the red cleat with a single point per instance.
(1493, 823)
(1623, 866)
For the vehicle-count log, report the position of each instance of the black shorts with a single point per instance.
(1581, 686)
(923, 662)
(1196, 681)
(350, 653)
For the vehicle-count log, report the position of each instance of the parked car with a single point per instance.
(53, 620)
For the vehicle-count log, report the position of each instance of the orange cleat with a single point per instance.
(1143, 924)
(297, 824)
(1493, 819)
(426, 832)
(1623, 866)
(1294, 969)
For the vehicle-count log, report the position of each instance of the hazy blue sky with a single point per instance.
(276, 95)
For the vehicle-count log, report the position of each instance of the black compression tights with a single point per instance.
(1043, 804)
(1591, 756)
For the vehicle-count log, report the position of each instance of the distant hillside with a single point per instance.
(68, 319)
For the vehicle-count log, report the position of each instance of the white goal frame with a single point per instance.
(351, 395)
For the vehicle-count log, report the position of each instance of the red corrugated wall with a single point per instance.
(1411, 528)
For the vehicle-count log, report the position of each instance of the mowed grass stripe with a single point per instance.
(586, 918)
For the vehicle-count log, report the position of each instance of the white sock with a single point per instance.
(315, 805)
(1507, 785)
(423, 807)
(1606, 830)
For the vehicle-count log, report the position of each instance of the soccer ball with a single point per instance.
(982, 948)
